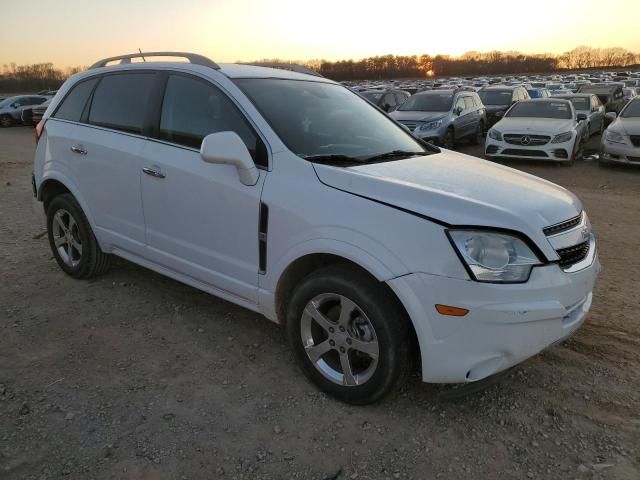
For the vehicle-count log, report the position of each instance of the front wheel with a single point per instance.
(449, 141)
(479, 134)
(350, 336)
(72, 242)
(6, 121)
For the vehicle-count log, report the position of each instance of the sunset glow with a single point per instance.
(77, 32)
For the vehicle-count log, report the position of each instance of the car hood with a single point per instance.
(551, 126)
(628, 126)
(456, 189)
(413, 116)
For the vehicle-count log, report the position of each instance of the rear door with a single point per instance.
(200, 220)
(102, 151)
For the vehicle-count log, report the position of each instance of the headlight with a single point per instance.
(431, 125)
(495, 134)
(494, 257)
(614, 137)
(563, 137)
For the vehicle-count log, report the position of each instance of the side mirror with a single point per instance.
(228, 147)
(611, 116)
(15, 105)
(581, 117)
(457, 110)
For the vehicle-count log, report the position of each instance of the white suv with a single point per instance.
(290, 195)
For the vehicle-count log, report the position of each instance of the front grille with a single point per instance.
(635, 139)
(571, 255)
(528, 140)
(410, 125)
(562, 226)
(524, 153)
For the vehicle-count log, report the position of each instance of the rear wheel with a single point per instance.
(351, 337)
(6, 121)
(72, 242)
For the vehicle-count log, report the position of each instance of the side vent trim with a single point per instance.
(262, 238)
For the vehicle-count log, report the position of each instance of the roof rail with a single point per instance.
(192, 57)
(292, 67)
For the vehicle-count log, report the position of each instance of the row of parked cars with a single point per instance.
(24, 109)
(523, 117)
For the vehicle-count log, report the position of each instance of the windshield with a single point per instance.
(495, 97)
(428, 102)
(632, 110)
(541, 109)
(7, 101)
(321, 119)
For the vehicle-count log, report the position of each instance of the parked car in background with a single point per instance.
(590, 105)
(621, 140)
(544, 129)
(498, 99)
(268, 188)
(538, 92)
(11, 108)
(33, 114)
(444, 116)
(611, 96)
(629, 93)
(388, 99)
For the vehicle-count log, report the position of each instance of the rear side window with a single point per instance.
(73, 104)
(192, 109)
(120, 101)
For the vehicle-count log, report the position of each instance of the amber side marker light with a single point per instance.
(451, 311)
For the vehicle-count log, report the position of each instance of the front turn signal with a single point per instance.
(451, 311)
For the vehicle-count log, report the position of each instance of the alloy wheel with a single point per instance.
(66, 238)
(339, 339)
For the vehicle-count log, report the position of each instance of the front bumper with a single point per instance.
(556, 152)
(620, 153)
(506, 324)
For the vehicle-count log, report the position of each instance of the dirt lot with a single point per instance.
(136, 376)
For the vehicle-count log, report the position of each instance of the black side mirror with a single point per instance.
(581, 117)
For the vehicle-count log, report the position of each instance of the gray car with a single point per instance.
(591, 106)
(11, 108)
(621, 140)
(444, 116)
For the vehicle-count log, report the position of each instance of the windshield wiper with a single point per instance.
(333, 159)
(393, 155)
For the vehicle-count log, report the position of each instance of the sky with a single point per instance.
(79, 32)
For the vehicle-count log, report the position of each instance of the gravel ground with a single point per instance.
(136, 376)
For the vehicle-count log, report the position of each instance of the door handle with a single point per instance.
(79, 149)
(153, 173)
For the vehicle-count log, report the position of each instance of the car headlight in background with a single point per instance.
(614, 137)
(563, 137)
(495, 134)
(431, 125)
(493, 256)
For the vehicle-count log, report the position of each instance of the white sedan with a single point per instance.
(543, 128)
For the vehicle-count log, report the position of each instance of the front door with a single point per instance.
(201, 221)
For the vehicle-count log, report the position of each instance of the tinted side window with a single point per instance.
(192, 109)
(120, 101)
(73, 104)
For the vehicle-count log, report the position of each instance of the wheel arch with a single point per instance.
(305, 265)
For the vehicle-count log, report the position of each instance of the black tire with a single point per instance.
(390, 324)
(91, 261)
(6, 121)
(577, 154)
(478, 135)
(449, 140)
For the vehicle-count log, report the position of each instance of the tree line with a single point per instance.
(44, 76)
